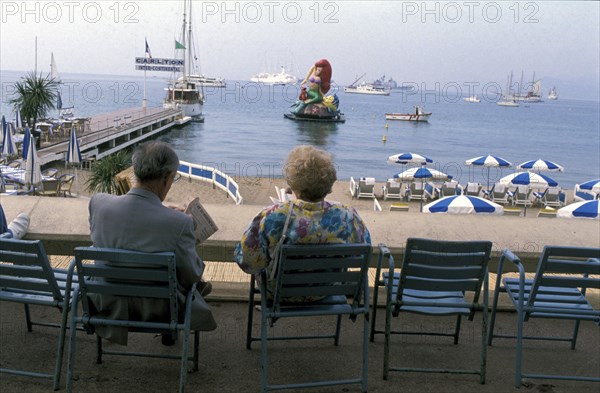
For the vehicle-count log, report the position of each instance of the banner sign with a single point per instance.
(158, 64)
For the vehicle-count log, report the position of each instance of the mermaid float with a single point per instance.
(313, 104)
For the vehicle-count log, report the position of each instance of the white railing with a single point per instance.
(213, 176)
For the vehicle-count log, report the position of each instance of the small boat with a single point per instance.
(508, 102)
(472, 99)
(553, 95)
(54, 69)
(508, 99)
(418, 115)
(534, 94)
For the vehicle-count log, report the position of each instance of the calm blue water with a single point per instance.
(246, 135)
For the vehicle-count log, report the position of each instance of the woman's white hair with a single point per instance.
(310, 171)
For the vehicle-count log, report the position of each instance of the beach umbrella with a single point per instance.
(26, 139)
(585, 209)
(33, 172)
(592, 185)
(528, 178)
(73, 152)
(409, 158)
(59, 102)
(488, 162)
(421, 173)
(540, 165)
(8, 145)
(18, 118)
(463, 204)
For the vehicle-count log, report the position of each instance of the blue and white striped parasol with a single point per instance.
(592, 185)
(421, 173)
(463, 204)
(540, 165)
(73, 153)
(409, 158)
(488, 162)
(535, 180)
(585, 209)
(33, 171)
(18, 118)
(27, 138)
(8, 144)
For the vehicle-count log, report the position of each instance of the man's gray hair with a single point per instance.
(153, 160)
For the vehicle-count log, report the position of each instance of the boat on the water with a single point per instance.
(185, 93)
(508, 99)
(367, 88)
(205, 81)
(54, 69)
(473, 99)
(282, 78)
(553, 95)
(534, 94)
(418, 115)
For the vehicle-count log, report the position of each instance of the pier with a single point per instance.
(108, 133)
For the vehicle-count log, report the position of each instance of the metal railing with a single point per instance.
(214, 176)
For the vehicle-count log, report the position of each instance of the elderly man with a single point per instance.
(139, 221)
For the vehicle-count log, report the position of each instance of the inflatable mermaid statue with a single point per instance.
(312, 104)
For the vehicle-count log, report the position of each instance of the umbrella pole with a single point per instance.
(422, 196)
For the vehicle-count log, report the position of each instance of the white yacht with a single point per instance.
(472, 99)
(553, 95)
(367, 88)
(281, 78)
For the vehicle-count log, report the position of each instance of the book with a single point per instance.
(204, 226)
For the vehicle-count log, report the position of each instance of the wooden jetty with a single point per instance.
(107, 133)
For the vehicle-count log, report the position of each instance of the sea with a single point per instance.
(245, 134)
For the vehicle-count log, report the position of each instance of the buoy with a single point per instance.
(386, 125)
(384, 139)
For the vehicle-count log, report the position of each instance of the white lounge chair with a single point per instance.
(365, 188)
(473, 189)
(499, 193)
(416, 191)
(522, 196)
(449, 188)
(551, 197)
(392, 189)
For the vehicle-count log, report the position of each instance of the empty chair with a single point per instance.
(499, 193)
(365, 188)
(473, 189)
(50, 172)
(430, 191)
(522, 196)
(140, 275)
(335, 276)
(449, 188)
(392, 189)
(551, 197)
(66, 182)
(49, 188)
(27, 278)
(558, 291)
(14, 164)
(416, 191)
(437, 278)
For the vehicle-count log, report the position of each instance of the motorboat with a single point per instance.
(553, 95)
(418, 115)
(184, 93)
(472, 99)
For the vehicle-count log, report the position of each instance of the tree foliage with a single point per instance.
(102, 177)
(35, 96)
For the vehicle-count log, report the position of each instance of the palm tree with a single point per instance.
(35, 96)
(102, 177)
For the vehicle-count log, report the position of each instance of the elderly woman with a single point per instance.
(310, 174)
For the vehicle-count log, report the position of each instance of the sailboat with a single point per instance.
(54, 69)
(534, 94)
(183, 93)
(553, 95)
(508, 99)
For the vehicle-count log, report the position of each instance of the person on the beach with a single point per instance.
(310, 174)
(139, 221)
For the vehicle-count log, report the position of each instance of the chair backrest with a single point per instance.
(320, 270)
(473, 188)
(393, 186)
(51, 185)
(442, 266)
(567, 267)
(366, 184)
(26, 275)
(66, 182)
(499, 189)
(119, 272)
(50, 172)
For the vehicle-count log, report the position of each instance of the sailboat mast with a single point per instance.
(185, 63)
(189, 44)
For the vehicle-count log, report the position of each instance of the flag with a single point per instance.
(148, 53)
(179, 45)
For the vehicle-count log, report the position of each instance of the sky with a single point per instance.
(432, 44)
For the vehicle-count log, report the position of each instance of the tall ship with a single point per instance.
(186, 93)
(534, 94)
(281, 78)
(508, 99)
(553, 95)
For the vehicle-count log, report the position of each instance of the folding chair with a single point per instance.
(132, 274)
(332, 271)
(434, 280)
(558, 291)
(26, 277)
